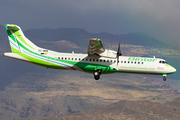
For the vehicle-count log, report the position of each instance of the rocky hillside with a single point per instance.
(126, 110)
(55, 94)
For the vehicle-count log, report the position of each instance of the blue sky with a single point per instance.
(158, 18)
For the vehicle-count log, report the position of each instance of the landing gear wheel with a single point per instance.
(164, 78)
(96, 77)
(97, 74)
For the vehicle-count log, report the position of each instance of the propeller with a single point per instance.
(118, 53)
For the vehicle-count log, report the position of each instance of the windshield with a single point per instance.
(163, 62)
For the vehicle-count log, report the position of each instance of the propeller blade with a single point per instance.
(118, 53)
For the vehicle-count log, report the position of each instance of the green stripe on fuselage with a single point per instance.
(38, 61)
(91, 67)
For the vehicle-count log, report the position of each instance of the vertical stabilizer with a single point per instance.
(18, 40)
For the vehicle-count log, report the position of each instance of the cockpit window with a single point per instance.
(163, 62)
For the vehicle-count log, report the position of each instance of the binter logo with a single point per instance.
(141, 59)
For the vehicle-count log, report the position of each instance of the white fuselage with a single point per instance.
(126, 64)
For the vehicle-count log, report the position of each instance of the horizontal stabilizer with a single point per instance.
(15, 56)
(12, 27)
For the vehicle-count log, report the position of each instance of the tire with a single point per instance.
(96, 77)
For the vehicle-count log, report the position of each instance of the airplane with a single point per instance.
(97, 61)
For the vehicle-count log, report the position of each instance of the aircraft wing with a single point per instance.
(95, 47)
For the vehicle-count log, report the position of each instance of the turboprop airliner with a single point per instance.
(97, 60)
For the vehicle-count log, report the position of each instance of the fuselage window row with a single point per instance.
(100, 60)
(94, 60)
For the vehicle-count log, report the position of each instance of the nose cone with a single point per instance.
(173, 70)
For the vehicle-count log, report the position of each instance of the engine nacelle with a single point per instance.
(108, 53)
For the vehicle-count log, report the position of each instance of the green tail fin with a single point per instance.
(17, 39)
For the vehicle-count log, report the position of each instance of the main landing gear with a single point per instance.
(164, 77)
(97, 74)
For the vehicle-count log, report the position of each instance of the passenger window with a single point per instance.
(142, 63)
(79, 59)
(86, 59)
(124, 61)
(138, 62)
(97, 60)
(58, 57)
(121, 61)
(107, 60)
(128, 62)
(75, 58)
(100, 60)
(62, 58)
(82, 59)
(131, 62)
(72, 59)
(159, 61)
(114, 60)
(134, 62)
(68, 58)
(111, 60)
(93, 59)
(104, 60)
(89, 59)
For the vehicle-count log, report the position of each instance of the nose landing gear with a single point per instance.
(164, 77)
(97, 74)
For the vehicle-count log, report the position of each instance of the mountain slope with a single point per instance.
(124, 110)
(174, 104)
(81, 37)
(52, 94)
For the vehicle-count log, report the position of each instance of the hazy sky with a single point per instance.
(158, 18)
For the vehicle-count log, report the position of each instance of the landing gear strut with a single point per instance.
(97, 74)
